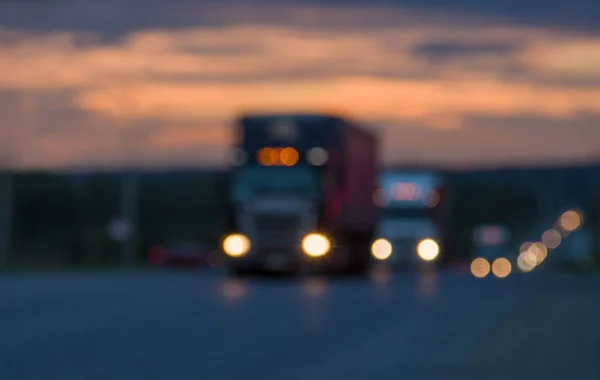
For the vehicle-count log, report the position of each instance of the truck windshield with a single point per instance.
(251, 181)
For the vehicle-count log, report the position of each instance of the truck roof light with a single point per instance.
(317, 156)
(406, 191)
(263, 156)
(238, 157)
(288, 156)
(268, 156)
(277, 156)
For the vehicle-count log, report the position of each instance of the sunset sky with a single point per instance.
(95, 83)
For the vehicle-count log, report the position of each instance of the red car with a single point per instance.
(179, 254)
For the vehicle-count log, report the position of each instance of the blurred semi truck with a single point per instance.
(301, 194)
(410, 227)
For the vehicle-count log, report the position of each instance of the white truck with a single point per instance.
(407, 232)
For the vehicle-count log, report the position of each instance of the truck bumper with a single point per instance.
(278, 260)
(296, 262)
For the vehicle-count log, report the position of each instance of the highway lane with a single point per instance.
(202, 325)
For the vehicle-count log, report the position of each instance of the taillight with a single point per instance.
(157, 255)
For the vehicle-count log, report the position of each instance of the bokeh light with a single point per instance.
(563, 233)
(274, 156)
(236, 245)
(381, 249)
(570, 221)
(551, 238)
(428, 249)
(317, 156)
(316, 245)
(491, 235)
(277, 156)
(501, 267)
(480, 267)
(289, 156)
(406, 191)
(525, 262)
(539, 250)
(263, 157)
(529, 257)
(525, 246)
(237, 157)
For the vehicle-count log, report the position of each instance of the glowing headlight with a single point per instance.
(316, 245)
(428, 249)
(236, 245)
(381, 249)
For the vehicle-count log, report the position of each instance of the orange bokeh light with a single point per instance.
(501, 267)
(264, 157)
(275, 156)
(480, 267)
(406, 191)
(289, 157)
(570, 221)
(278, 156)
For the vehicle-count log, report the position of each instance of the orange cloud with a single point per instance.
(208, 74)
(425, 101)
(570, 59)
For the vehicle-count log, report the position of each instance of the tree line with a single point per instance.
(64, 217)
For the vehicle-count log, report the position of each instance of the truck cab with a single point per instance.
(407, 231)
(300, 194)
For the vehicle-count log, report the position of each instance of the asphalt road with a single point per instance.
(176, 325)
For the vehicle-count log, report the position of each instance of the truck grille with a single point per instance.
(273, 231)
(404, 249)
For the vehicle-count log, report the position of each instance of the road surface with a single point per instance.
(176, 325)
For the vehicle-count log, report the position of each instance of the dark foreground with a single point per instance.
(201, 325)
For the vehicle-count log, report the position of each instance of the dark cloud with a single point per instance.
(112, 18)
(442, 50)
(439, 53)
(482, 73)
(576, 14)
